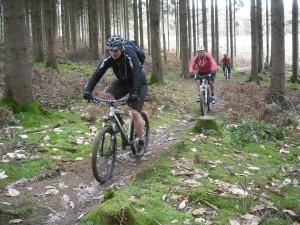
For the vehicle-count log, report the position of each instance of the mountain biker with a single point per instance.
(131, 79)
(226, 63)
(204, 65)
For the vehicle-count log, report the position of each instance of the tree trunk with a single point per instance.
(141, 24)
(135, 21)
(259, 36)
(157, 71)
(212, 23)
(204, 23)
(231, 31)
(93, 27)
(295, 75)
(18, 79)
(168, 25)
(49, 11)
(183, 37)
(189, 29)
(227, 33)
(73, 22)
(107, 18)
(37, 31)
(148, 27)
(163, 30)
(177, 29)
(254, 50)
(267, 33)
(277, 53)
(194, 26)
(217, 31)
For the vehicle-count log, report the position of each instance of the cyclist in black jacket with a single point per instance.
(131, 79)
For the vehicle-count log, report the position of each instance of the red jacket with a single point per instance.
(206, 64)
(226, 61)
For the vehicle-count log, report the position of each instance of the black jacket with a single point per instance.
(127, 69)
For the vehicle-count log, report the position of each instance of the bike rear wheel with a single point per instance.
(203, 104)
(104, 154)
(133, 136)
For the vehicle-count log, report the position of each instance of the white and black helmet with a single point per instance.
(114, 42)
(201, 48)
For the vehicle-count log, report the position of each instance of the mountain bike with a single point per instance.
(104, 150)
(226, 73)
(205, 95)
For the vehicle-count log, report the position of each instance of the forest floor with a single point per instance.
(46, 177)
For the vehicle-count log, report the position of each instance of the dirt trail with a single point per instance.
(78, 192)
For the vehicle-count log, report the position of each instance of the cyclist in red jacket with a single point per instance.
(226, 63)
(204, 65)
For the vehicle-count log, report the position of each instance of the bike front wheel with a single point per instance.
(104, 154)
(203, 108)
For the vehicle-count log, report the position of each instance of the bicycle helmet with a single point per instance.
(114, 42)
(201, 48)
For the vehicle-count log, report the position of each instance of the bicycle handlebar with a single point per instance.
(98, 101)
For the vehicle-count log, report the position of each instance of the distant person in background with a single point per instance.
(204, 65)
(226, 64)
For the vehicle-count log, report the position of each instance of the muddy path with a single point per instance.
(70, 191)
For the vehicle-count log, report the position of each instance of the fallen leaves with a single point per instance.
(2, 174)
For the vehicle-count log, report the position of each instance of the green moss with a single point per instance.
(33, 107)
(118, 209)
(153, 80)
(206, 124)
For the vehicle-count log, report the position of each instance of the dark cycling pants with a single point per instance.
(210, 78)
(228, 68)
(119, 89)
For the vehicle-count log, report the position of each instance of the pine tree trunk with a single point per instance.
(260, 36)
(254, 50)
(163, 31)
(49, 13)
(73, 24)
(37, 32)
(227, 30)
(168, 25)
(194, 25)
(212, 23)
(277, 54)
(157, 71)
(107, 18)
(93, 27)
(231, 31)
(177, 29)
(18, 79)
(189, 29)
(204, 23)
(1, 23)
(267, 33)
(295, 75)
(148, 27)
(135, 21)
(141, 24)
(183, 37)
(234, 28)
(217, 31)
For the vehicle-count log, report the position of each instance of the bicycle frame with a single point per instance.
(113, 117)
(117, 125)
(204, 87)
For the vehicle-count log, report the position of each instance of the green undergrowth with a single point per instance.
(44, 142)
(66, 67)
(249, 164)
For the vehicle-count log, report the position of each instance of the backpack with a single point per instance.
(139, 52)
